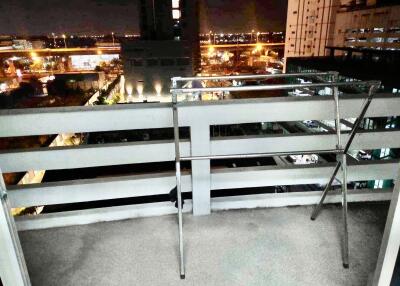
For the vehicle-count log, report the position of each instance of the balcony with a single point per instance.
(277, 246)
(143, 251)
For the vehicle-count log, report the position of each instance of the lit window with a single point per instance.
(175, 4)
(176, 14)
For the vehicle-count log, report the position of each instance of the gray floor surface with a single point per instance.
(275, 246)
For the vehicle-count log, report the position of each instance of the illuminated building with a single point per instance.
(312, 25)
(309, 27)
(169, 44)
(372, 25)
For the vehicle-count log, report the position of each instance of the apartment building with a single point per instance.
(310, 27)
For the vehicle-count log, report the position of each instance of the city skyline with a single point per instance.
(45, 17)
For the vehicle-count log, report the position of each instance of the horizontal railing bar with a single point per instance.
(106, 214)
(261, 176)
(99, 189)
(75, 191)
(87, 156)
(259, 76)
(296, 199)
(83, 217)
(275, 86)
(258, 155)
(135, 152)
(77, 120)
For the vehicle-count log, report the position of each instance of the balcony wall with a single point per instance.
(201, 179)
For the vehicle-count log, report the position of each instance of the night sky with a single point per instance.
(37, 17)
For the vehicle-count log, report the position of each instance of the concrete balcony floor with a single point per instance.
(275, 246)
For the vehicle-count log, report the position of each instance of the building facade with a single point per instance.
(169, 45)
(369, 26)
(310, 27)
(313, 25)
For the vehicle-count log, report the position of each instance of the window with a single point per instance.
(294, 12)
(167, 62)
(175, 4)
(176, 14)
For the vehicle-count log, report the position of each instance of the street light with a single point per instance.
(158, 88)
(54, 39)
(258, 34)
(65, 42)
(112, 35)
(252, 32)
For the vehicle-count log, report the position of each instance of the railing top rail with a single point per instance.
(259, 76)
(276, 86)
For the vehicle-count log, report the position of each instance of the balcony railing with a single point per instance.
(201, 178)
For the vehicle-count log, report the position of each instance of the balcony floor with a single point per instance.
(276, 246)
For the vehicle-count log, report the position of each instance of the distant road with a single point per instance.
(222, 46)
(60, 52)
(110, 50)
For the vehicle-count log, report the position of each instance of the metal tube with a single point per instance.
(353, 132)
(318, 207)
(337, 120)
(263, 76)
(178, 181)
(273, 87)
(258, 155)
(360, 117)
(344, 213)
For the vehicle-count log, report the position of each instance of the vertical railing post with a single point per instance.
(201, 170)
(178, 178)
(343, 167)
(390, 242)
(13, 271)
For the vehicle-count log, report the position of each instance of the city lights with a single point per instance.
(65, 41)
(122, 85)
(3, 87)
(129, 89)
(158, 88)
(140, 88)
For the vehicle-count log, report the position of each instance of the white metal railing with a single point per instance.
(198, 117)
(201, 180)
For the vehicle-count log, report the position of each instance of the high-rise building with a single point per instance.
(372, 24)
(309, 27)
(169, 20)
(313, 25)
(169, 44)
(364, 44)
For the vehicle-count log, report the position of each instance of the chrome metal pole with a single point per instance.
(344, 212)
(273, 87)
(343, 167)
(258, 155)
(338, 146)
(353, 132)
(178, 178)
(264, 76)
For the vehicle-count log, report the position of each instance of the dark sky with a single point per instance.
(35, 17)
